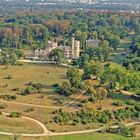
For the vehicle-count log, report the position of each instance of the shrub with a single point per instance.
(32, 88)
(118, 103)
(137, 107)
(29, 90)
(15, 89)
(15, 115)
(65, 89)
(131, 102)
(9, 77)
(80, 105)
(29, 110)
(3, 106)
(122, 130)
(8, 97)
(85, 101)
(19, 64)
(55, 85)
(85, 116)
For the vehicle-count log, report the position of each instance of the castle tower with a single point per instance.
(76, 49)
(72, 45)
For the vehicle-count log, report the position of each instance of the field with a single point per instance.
(18, 125)
(21, 75)
(88, 136)
(42, 105)
(46, 75)
(92, 136)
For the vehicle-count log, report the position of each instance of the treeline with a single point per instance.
(33, 30)
(109, 78)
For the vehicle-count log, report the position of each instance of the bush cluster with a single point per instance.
(122, 130)
(8, 97)
(15, 115)
(86, 116)
(3, 106)
(118, 103)
(32, 88)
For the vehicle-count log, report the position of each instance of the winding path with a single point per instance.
(43, 106)
(49, 133)
(46, 132)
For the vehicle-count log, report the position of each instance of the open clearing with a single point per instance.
(21, 75)
(46, 75)
(18, 125)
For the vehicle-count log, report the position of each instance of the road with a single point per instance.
(42, 62)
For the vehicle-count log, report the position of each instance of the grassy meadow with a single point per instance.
(88, 136)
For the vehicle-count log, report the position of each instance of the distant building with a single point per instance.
(92, 42)
(70, 52)
(44, 53)
(73, 51)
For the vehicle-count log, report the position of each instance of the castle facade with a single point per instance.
(70, 52)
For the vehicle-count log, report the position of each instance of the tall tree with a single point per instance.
(57, 55)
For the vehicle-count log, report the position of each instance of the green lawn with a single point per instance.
(88, 136)
(5, 138)
(92, 136)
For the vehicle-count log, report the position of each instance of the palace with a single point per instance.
(70, 52)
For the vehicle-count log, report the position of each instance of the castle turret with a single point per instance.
(72, 45)
(76, 49)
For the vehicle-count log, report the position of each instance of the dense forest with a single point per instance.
(26, 29)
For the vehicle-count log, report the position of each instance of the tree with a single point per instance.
(104, 44)
(82, 36)
(57, 55)
(65, 89)
(92, 69)
(84, 58)
(74, 76)
(115, 42)
(13, 59)
(101, 94)
(29, 90)
(94, 35)
(9, 58)
(91, 90)
(26, 37)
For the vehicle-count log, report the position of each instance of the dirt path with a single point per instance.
(43, 106)
(30, 105)
(89, 131)
(48, 133)
(45, 130)
(126, 92)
